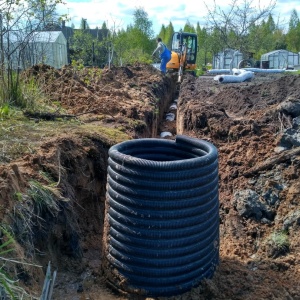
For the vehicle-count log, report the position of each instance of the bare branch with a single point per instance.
(234, 22)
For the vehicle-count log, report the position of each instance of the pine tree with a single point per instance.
(293, 35)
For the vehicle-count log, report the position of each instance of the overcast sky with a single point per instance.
(119, 13)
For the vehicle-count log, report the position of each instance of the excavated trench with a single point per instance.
(242, 143)
(81, 245)
(72, 165)
(71, 235)
(74, 240)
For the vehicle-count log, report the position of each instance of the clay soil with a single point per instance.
(98, 109)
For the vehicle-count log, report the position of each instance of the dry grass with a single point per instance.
(20, 135)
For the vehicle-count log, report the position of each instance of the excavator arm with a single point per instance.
(182, 62)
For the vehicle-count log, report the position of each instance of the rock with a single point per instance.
(290, 107)
(271, 197)
(248, 205)
(296, 123)
(290, 138)
(292, 218)
(80, 288)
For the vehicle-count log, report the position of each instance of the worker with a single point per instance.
(164, 54)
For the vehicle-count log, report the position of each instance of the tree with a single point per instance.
(137, 42)
(294, 20)
(293, 35)
(265, 37)
(142, 22)
(188, 27)
(169, 35)
(162, 32)
(104, 27)
(233, 24)
(84, 24)
(18, 22)
(141, 33)
(204, 54)
(81, 45)
(44, 15)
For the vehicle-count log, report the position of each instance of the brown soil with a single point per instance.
(243, 120)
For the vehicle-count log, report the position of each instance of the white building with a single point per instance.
(222, 60)
(279, 59)
(44, 47)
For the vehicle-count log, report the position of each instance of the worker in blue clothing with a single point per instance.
(164, 54)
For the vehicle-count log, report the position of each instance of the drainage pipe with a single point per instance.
(258, 70)
(219, 71)
(162, 215)
(234, 78)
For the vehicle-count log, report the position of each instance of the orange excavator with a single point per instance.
(184, 53)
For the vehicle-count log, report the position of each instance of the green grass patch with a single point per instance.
(278, 243)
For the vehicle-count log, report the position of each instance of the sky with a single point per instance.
(119, 13)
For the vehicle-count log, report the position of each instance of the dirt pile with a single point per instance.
(253, 125)
(259, 184)
(128, 95)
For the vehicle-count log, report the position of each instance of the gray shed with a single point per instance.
(279, 59)
(222, 60)
(43, 47)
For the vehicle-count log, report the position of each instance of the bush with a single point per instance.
(18, 92)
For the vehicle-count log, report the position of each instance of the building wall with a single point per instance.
(280, 59)
(222, 60)
(53, 53)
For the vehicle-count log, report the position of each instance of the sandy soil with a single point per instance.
(246, 121)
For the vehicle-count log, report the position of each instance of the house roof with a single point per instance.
(45, 36)
(38, 36)
(229, 51)
(278, 51)
(97, 33)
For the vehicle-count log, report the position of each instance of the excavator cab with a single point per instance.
(184, 53)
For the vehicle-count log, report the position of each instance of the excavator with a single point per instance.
(184, 53)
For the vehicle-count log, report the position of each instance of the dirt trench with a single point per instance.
(82, 274)
(70, 234)
(245, 121)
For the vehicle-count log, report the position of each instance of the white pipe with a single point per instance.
(173, 106)
(218, 71)
(237, 71)
(170, 117)
(165, 134)
(258, 70)
(234, 78)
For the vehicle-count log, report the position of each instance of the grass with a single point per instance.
(20, 135)
(45, 197)
(108, 133)
(278, 243)
(9, 288)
